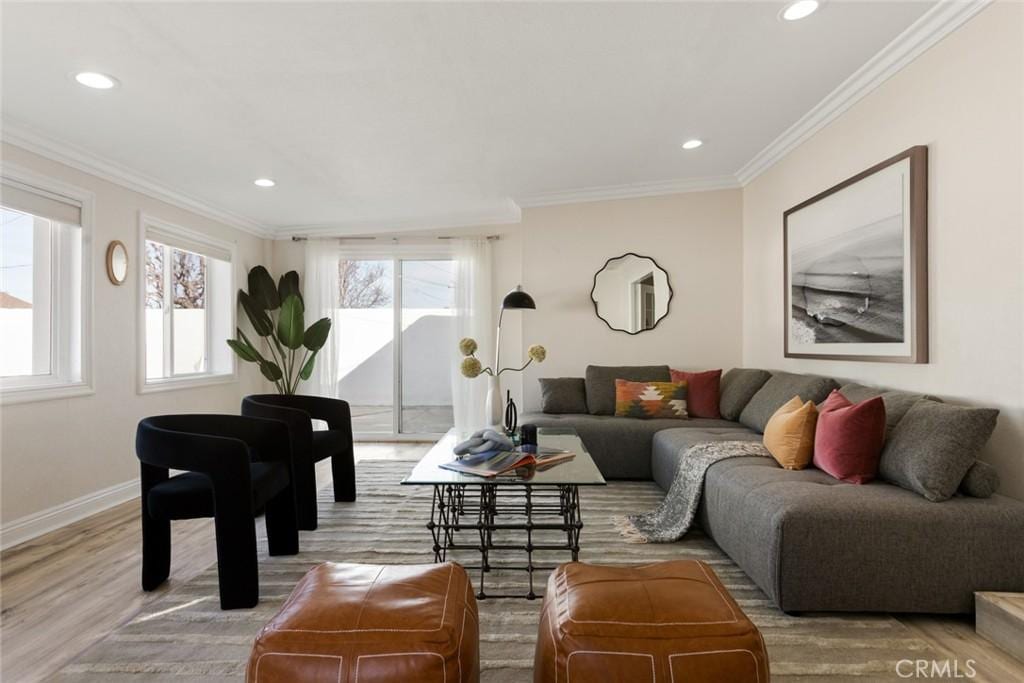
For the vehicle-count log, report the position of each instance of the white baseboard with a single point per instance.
(38, 523)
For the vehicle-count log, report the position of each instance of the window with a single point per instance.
(43, 288)
(187, 307)
(398, 316)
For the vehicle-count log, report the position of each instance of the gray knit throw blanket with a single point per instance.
(672, 518)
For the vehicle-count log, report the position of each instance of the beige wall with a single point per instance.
(963, 99)
(695, 237)
(52, 452)
(554, 254)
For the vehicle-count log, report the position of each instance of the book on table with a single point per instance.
(495, 463)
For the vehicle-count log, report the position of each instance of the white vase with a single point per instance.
(494, 406)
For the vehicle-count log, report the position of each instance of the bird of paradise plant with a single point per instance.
(276, 313)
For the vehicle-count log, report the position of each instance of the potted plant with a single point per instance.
(276, 314)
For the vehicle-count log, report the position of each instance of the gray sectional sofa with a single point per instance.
(811, 542)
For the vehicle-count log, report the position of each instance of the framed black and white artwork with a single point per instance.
(856, 266)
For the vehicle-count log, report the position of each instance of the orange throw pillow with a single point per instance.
(789, 434)
(649, 400)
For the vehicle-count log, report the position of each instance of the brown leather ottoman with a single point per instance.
(348, 622)
(670, 621)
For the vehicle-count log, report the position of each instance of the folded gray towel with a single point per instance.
(483, 441)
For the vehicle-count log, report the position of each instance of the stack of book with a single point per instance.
(495, 463)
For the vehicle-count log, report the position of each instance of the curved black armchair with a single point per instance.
(234, 467)
(310, 447)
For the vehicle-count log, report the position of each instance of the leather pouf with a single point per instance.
(669, 621)
(348, 622)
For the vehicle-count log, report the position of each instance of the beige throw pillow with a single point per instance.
(789, 434)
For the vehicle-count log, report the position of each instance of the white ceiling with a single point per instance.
(395, 116)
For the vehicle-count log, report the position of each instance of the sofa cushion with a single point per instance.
(670, 445)
(648, 400)
(981, 481)
(778, 390)
(738, 386)
(789, 434)
(897, 403)
(620, 446)
(849, 437)
(811, 542)
(934, 445)
(561, 395)
(600, 383)
(703, 391)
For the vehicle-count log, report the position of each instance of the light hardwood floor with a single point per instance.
(62, 592)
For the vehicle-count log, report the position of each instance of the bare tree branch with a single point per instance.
(361, 284)
(188, 277)
(154, 275)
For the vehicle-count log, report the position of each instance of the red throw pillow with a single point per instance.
(849, 438)
(702, 399)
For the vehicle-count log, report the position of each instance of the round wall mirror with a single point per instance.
(117, 262)
(631, 293)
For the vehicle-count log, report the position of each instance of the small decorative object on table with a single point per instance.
(472, 367)
(511, 415)
(483, 441)
(528, 435)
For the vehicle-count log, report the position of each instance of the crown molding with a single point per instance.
(71, 155)
(629, 191)
(503, 212)
(938, 22)
(934, 25)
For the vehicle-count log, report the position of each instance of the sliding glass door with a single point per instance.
(397, 331)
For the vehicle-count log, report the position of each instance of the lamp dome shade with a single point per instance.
(517, 298)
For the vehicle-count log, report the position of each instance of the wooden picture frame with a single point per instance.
(855, 266)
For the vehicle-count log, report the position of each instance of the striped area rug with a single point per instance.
(185, 636)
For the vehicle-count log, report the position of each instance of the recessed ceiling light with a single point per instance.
(692, 144)
(799, 9)
(94, 79)
(263, 182)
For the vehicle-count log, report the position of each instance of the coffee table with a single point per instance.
(510, 513)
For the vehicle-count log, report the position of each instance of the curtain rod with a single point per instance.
(391, 239)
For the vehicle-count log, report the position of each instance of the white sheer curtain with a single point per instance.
(474, 312)
(320, 293)
(474, 317)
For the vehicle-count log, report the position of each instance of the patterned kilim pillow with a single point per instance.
(647, 400)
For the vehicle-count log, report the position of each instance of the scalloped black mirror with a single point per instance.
(631, 293)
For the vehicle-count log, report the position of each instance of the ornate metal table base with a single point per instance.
(461, 512)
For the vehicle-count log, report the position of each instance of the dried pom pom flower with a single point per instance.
(471, 367)
(468, 346)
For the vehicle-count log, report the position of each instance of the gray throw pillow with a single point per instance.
(934, 445)
(782, 387)
(897, 403)
(737, 387)
(563, 395)
(601, 383)
(981, 481)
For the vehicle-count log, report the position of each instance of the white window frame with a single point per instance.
(397, 254)
(210, 376)
(62, 381)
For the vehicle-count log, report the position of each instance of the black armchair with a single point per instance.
(234, 467)
(309, 447)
